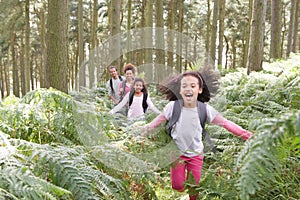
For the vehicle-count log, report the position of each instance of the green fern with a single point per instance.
(34, 171)
(69, 170)
(269, 159)
(17, 179)
(24, 184)
(42, 116)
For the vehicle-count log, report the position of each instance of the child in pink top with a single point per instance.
(138, 100)
(186, 133)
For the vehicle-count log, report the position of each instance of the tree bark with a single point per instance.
(15, 71)
(291, 28)
(256, 49)
(2, 77)
(276, 13)
(42, 69)
(296, 27)
(247, 35)
(115, 30)
(160, 42)
(129, 53)
(221, 31)
(22, 65)
(179, 41)
(208, 29)
(214, 31)
(92, 55)
(6, 78)
(57, 58)
(81, 66)
(27, 47)
(148, 41)
(171, 16)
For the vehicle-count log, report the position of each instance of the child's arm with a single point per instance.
(152, 106)
(120, 105)
(232, 127)
(155, 123)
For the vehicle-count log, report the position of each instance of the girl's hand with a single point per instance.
(145, 131)
(116, 101)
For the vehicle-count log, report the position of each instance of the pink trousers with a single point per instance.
(181, 169)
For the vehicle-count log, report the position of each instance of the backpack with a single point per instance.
(111, 84)
(145, 105)
(202, 117)
(123, 91)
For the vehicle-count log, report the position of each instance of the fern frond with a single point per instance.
(70, 170)
(262, 163)
(107, 185)
(23, 183)
(4, 195)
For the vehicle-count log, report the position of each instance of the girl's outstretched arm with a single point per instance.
(155, 123)
(232, 127)
(152, 106)
(120, 105)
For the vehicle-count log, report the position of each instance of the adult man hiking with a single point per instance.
(113, 84)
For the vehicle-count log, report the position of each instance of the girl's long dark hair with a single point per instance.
(144, 90)
(170, 88)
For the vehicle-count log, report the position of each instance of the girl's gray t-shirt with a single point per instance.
(187, 131)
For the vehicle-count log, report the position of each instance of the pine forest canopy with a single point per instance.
(44, 46)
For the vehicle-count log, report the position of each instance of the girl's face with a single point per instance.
(189, 90)
(138, 86)
(129, 74)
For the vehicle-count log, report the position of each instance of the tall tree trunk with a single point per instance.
(139, 53)
(221, 31)
(92, 55)
(256, 50)
(291, 28)
(42, 69)
(148, 41)
(171, 20)
(22, 65)
(33, 73)
(284, 25)
(129, 53)
(81, 66)
(2, 82)
(187, 48)
(226, 52)
(15, 71)
(214, 31)
(36, 73)
(233, 44)
(247, 35)
(57, 60)
(73, 66)
(208, 29)
(27, 47)
(296, 27)
(115, 30)
(179, 41)
(276, 29)
(160, 42)
(7, 78)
